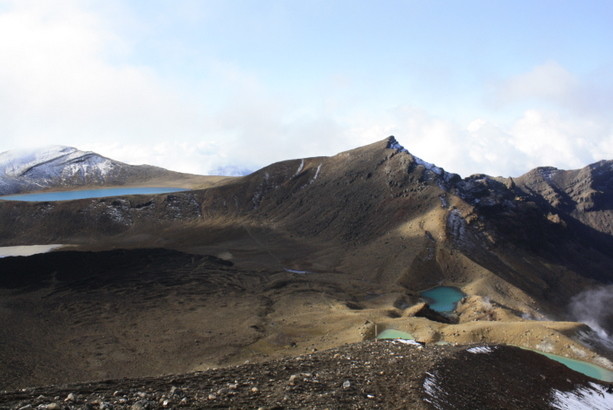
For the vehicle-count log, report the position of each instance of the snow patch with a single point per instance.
(429, 166)
(300, 167)
(393, 144)
(435, 395)
(26, 250)
(104, 167)
(594, 397)
(14, 163)
(299, 272)
(547, 172)
(480, 349)
(407, 342)
(317, 172)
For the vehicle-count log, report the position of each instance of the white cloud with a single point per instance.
(66, 77)
(56, 85)
(476, 147)
(551, 85)
(565, 118)
(546, 82)
(492, 150)
(64, 86)
(535, 138)
(548, 138)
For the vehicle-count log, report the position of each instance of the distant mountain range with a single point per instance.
(65, 167)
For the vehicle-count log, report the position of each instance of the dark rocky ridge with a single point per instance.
(585, 194)
(380, 374)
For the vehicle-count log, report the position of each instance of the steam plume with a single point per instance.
(594, 308)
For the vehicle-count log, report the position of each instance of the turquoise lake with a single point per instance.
(443, 298)
(586, 368)
(89, 193)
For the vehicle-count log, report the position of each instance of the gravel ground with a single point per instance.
(376, 374)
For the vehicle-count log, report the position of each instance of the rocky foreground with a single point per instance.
(375, 374)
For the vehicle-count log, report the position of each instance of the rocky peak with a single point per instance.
(443, 178)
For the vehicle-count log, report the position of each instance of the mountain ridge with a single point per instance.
(327, 249)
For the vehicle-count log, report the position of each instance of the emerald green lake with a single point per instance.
(394, 334)
(443, 298)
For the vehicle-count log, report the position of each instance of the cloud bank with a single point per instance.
(70, 76)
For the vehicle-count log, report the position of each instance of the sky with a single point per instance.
(229, 86)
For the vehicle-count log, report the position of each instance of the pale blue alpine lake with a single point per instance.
(89, 193)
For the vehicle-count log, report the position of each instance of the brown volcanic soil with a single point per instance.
(373, 226)
(377, 374)
(147, 312)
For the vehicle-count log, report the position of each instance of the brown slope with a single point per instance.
(75, 316)
(395, 221)
(375, 211)
(375, 224)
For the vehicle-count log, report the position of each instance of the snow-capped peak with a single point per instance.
(392, 143)
(52, 166)
(14, 163)
(547, 172)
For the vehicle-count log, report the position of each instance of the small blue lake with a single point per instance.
(443, 298)
(89, 193)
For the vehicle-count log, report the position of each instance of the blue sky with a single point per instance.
(219, 86)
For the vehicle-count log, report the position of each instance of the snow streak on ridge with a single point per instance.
(394, 144)
(594, 397)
